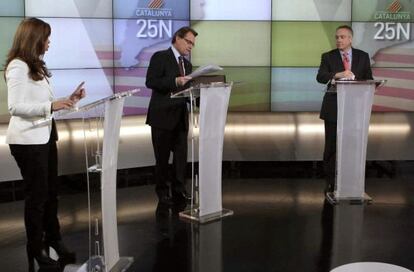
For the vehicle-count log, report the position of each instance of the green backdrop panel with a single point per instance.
(299, 44)
(234, 43)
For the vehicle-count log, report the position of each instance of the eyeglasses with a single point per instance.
(189, 42)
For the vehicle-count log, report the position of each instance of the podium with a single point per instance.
(206, 191)
(355, 100)
(103, 231)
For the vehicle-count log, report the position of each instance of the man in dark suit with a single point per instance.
(168, 117)
(344, 62)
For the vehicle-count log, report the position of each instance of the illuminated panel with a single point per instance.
(152, 9)
(398, 93)
(129, 79)
(384, 29)
(12, 8)
(321, 10)
(393, 47)
(375, 10)
(296, 89)
(251, 89)
(234, 43)
(137, 40)
(80, 43)
(69, 8)
(301, 43)
(231, 10)
(8, 27)
(98, 84)
(135, 43)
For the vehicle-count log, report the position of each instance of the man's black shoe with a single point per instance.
(181, 198)
(178, 207)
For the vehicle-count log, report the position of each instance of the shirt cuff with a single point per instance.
(48, 109)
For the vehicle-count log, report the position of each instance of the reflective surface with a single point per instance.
(370, 267)
(248, 137)
(278, 225)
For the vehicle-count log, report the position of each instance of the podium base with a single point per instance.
(334, 200)
(193, 215)
(96, 264)
(123, 264)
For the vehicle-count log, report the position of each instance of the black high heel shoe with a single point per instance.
(62, 251)
(45, 263)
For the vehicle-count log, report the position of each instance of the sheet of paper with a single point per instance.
(206, 69)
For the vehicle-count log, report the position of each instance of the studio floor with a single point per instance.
(279, 224)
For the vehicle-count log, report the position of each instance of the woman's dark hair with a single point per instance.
(29, 45)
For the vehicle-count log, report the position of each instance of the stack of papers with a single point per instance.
(206, 69)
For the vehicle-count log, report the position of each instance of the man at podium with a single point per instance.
(344, 62)
(168, 117)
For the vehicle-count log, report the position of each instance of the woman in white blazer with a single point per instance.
(30, 99)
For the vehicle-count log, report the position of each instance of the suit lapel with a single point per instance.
(355, 61)
(173, 62)
(338, 61)
(187, 66)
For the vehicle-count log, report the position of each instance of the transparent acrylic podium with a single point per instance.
(206, 191)
(355, 100)
(103, 230)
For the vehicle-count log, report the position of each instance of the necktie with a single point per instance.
(345, 61)
(181, 65)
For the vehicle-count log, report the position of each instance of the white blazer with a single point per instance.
(28, 101)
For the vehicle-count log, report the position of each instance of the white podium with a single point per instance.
(206, 204)
(355, 100)
(103, 227)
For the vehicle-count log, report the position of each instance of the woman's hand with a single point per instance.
(78, 94)
(63, 104)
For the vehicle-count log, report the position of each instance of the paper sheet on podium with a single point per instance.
(206, 69)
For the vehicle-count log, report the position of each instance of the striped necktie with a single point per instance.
(345, 61)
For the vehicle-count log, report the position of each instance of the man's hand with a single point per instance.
(181, 81)
(345, 74)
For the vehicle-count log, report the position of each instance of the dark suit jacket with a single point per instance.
(165, 112)
(331, 64)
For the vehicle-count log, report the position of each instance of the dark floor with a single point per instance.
(279, 224)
